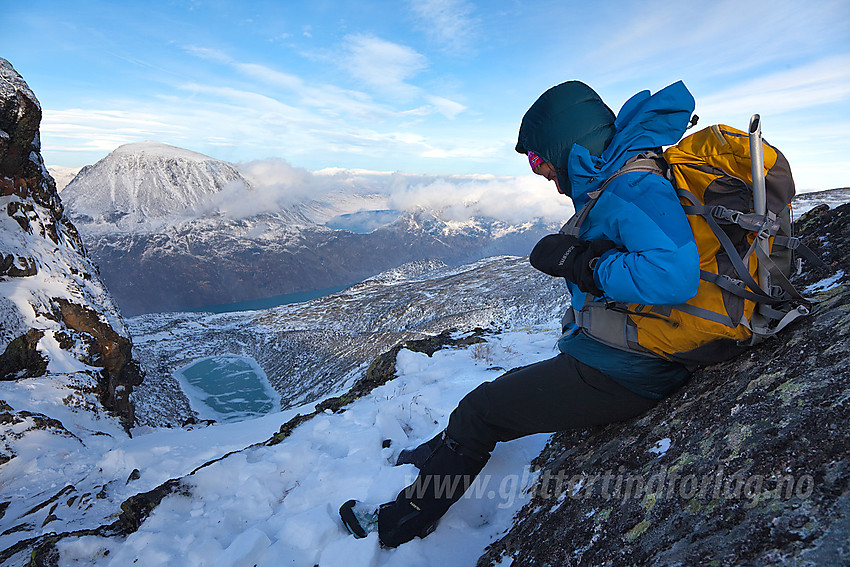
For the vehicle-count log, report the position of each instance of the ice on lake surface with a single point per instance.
(228, 388)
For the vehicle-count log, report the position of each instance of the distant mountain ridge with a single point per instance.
(173, 230)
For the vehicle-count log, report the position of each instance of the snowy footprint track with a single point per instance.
(276, 503)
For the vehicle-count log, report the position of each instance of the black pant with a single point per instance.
(553, 395)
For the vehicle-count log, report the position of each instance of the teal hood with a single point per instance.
(570, 127)
(646, 122)
(565, 115)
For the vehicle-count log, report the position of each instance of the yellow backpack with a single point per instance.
(746, 258)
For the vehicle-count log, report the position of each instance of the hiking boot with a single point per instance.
(418, 455)
(443, 478)
(359, 519)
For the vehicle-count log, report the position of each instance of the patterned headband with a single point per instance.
(534, 160)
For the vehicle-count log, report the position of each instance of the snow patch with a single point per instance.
(825, 284)
(660, 448)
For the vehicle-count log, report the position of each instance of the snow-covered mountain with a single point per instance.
(173, 230)
(805, 202)
(62, 175)
(144, 186)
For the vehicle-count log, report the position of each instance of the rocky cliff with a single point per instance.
(749, 464)
(56, 317)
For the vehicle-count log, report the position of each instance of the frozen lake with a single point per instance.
(228, 388)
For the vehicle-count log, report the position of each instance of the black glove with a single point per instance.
(570, 257)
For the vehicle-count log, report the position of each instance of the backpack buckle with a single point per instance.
(722, 213)
(777, 292)
(729, 215)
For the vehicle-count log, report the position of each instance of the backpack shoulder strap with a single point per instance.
(648, 162)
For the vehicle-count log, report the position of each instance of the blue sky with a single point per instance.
(429, 86)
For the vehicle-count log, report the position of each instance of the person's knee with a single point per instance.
(472, 408)
(468, 422)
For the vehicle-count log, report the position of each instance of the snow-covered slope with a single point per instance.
(277, 505)
(309, 350)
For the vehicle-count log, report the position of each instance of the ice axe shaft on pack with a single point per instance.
(759, 195)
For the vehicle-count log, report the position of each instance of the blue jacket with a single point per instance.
(640, 212)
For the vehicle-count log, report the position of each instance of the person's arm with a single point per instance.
(661, 265)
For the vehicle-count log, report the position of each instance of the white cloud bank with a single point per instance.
(276, 186)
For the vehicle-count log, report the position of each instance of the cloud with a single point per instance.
(102, 131)
(729, 40)
(278, 186)
(513, 200)
(251, 110)
(275, 185)
(208, 54)
(823, 82)
(329, 98)
(270, 76)
(448, 108)
(382, 65)
(447, 23)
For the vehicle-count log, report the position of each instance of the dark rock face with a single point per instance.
(112, 351)
(748, 464)
(42, 242)
(21, 359)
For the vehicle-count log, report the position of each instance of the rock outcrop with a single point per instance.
(748, 464)
(55, 314)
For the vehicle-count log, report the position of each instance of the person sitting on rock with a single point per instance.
(635, 246)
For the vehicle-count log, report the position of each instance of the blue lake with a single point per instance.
(228, 388)
(269, 302)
